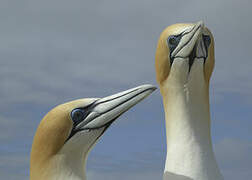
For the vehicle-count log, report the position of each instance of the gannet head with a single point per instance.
(67, 133)
(185, 53)
(184, 64)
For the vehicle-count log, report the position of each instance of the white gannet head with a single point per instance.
(185, 53)
(67, 133)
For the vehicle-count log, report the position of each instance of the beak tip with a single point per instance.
(200, 23)
(148, 87)
(154, 88)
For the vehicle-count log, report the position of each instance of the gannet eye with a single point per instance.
(77, 115)
(173, 41)
(207, 40)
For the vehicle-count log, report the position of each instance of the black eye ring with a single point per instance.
(77, 115)
(207, 40)
(172, 41)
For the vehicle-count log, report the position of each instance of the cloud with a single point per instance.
(146, 175)
(234, 157)
(53, 51)
(14, 166)
(72, 51)
(137, 165)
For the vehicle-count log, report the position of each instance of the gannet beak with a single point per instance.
(104, 111)
(193, 43)
(188, 41)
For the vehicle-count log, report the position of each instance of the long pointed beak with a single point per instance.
(105, 110)
(188, 41)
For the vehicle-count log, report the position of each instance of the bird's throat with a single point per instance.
(189, 148)
(65, 165)
(70, 167)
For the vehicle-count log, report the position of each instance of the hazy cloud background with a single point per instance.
(54, 51)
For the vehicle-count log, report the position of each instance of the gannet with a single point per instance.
(184, 64)
(69, 131)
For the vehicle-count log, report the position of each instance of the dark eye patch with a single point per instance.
(207, 40)
(77, 116)
(173, 42)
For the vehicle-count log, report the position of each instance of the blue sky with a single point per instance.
(53, 51)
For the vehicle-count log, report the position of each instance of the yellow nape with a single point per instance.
(50, 137)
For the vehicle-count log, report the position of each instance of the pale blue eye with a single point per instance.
(173, 41)
(77, 115)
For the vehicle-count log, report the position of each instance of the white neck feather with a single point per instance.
(189, 148)
(70, 166)
(70, 162)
